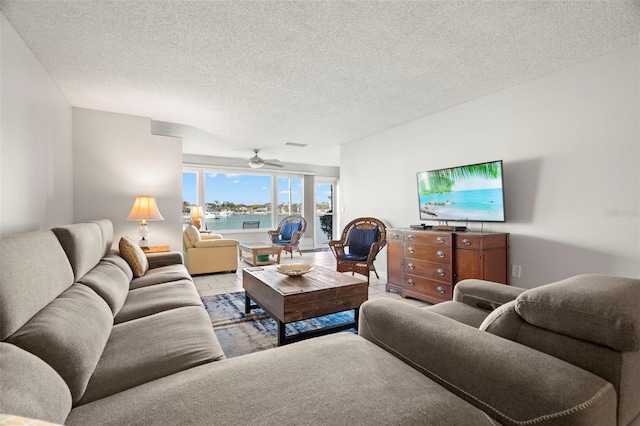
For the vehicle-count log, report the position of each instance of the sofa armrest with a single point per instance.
(204, 237)
(484, 295)
(157, 260)
(215, 243)
(509, 381)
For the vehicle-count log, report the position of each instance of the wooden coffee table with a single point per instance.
(294, 298)
(250, 251)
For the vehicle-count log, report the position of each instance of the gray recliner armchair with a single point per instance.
(590, 321)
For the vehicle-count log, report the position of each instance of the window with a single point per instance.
(324, 218)
(229, 199)
(289, 197)
(189, 195)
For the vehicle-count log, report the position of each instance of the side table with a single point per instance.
(156, 249)
(158, 256)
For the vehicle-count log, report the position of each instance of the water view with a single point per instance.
(478, 204)
(234, 221)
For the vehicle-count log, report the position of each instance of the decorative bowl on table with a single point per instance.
(297, 269)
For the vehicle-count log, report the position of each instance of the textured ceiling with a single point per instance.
(237, 75)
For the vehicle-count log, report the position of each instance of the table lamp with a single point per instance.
(144, 209)
(196, 214)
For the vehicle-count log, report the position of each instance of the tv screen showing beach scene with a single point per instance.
(467, 193)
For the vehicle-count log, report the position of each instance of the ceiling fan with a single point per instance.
(256, 162)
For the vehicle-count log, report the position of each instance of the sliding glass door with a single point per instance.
(324, 217)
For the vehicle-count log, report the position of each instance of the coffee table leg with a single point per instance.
(247, 303)
(281, 333)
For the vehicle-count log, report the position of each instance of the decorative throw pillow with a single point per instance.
(360, 240)
(288, 228)
(134, 256)
(11, 420)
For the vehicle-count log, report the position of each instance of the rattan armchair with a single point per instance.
(361, 241)
(289, 233)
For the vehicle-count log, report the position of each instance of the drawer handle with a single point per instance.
(440, 289)
(411, 282)
(440, 253)
(411, 250)
(411, 266)
(466, 242)
(440, 240)
(396, 236)
(440, 272)
(411, 237)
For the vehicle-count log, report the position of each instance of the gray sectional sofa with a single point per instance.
(83, 342)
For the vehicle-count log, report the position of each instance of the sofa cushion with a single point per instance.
(69, 334)
(31, 388)
(596, 308)
(83, 244)
(106, 227)
(360, 241)
(34, 270)
(115, 258)
(460, 312)
(157, 298)
(152, 347)
(163, 274)
(503, 321)
(353, 257)
(110, 282)
(193, 235)
(134, 256)
(287, 230)
(338, 379)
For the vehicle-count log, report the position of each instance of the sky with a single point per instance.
(240, 189)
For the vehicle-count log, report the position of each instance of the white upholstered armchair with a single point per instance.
(207, 253)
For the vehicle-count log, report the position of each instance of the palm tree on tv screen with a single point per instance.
(441, 181)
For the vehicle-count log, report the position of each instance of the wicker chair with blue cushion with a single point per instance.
(361, 241)
(289, 233)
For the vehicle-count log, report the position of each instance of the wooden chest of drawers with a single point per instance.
(426, 265)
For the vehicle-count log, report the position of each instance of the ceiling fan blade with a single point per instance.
(273, 164)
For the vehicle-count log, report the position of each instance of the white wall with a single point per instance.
(115, 159)
(570, 142)
(36, 172)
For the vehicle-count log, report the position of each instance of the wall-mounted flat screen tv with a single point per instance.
(473, 193)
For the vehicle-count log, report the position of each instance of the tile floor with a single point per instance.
(211, 284)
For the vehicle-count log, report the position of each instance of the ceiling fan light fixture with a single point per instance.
(255, 164)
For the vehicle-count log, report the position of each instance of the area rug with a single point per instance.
(241, 333)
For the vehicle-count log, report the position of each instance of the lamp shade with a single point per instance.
(145, 208)
(196, 211)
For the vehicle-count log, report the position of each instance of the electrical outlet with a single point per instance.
(515, 271)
